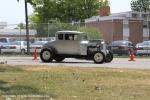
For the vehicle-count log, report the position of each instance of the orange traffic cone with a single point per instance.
(35, 54)
(132, 56)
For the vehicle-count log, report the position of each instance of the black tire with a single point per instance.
(46, 55)
(23, 51)
(98, 57)
(59, 59)
(109, 57)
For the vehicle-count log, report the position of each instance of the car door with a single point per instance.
(68, 45)
(148, 47)
(145, 47)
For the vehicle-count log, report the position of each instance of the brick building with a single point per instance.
(132, 26)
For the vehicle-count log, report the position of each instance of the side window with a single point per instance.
(66, 36)
(130, 44)
(60, 36)
(3, 40)
(69, 36)
(24, 43)
(145, 43)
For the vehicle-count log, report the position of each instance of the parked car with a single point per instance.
(2, 44)
(121, 47)
(143, 48)
(37, 45)
(5, 40)
(16, 47)
(73, 44)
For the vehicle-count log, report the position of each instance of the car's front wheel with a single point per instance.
(46, 55)
(98, 57)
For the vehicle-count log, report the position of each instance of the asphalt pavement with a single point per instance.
(139, 63)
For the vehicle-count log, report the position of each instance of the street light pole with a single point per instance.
(27, 28)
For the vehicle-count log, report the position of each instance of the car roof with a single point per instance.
(147, 41)
(19, 41)
(70, 32)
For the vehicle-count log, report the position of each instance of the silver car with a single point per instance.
(74, 44)
(143, 48)
(37, 45)
(15, 47)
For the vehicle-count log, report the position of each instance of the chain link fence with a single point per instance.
(109, 30)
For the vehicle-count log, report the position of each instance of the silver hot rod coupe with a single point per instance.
(74, 44)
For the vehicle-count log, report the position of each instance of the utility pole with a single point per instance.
(27, 27)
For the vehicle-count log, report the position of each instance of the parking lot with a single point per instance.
(140, 63)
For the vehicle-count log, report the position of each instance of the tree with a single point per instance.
(65, 10)
(140, 5)
(92, 33)
(21, 26)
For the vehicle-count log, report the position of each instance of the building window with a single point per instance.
(134, 15)
(144, 15)
(145, 24)
(125, 23)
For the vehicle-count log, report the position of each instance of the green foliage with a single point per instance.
(21, 26)
(140, 5)
(49, 29)
(65, 10)
(92, 33)
(104, 3)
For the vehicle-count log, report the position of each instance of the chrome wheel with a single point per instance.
(46, 55)
(98, 57)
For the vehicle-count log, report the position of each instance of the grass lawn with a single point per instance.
(70, 83)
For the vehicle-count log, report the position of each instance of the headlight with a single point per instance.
(102, 42)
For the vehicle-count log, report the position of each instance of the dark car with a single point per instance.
(120, 47)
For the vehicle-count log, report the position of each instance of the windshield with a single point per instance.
(116, 43)
(39, 42)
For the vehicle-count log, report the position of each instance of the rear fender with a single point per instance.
(51, 49)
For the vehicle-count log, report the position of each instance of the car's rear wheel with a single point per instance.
(98, 57)
(109, 57)
(46, 55)
(22, 51)
(59, 59)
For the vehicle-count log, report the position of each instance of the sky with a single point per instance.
(13, 12)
